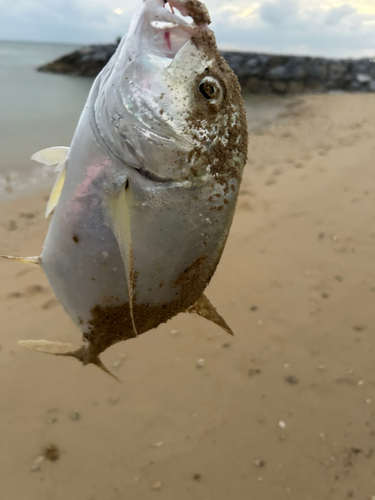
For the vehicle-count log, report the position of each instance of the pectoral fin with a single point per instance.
(204, 308)
(33, 261)
(82, 353)
(51, 156)
(54, 156)
(56, 192)
(120, 219)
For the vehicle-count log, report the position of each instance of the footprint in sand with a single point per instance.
(34, 290)
(11, 225)
(29, 292)
(27, 215)
(349, 141)
(50, 304)
(277, 171)
(245, 206)
(15, 295)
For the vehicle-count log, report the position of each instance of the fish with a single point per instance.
(146, 193)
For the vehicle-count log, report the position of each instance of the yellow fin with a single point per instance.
(60, 349)
(49, 347)
(204, 308)
(54, 156)
(33, 261)
(56, 192)
(51, 156)
(120, 218)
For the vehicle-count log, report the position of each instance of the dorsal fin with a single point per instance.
(204, 308)
(120, 219)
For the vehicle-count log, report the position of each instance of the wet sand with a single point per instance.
(285, 410)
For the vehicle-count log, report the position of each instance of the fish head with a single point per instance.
(169, 105)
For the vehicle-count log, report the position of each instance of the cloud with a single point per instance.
(313, 27)
(301, 27)
(279, 13)
(338, 14)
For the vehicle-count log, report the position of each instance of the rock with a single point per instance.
(355, 86)
(291, 379)
(296, 87)
(336, 73)
(257, 73)
(317, 71)
(265, 87)
(363, 78)
(298, 67)
(277, 61)
(252, 85)
(279, 87)
(259, 463)
(88, 61)
(75, 416)
(157, 486)
(51, 453)
(201, 363)
(278, 73)
(37, 463)
(254, 66)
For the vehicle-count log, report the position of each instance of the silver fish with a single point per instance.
(146, 193)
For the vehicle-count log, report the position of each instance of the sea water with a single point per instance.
(37, 111)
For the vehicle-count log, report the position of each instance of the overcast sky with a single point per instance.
(313, 27)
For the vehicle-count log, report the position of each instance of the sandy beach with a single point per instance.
(284, 410)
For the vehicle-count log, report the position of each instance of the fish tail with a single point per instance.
(83, 353)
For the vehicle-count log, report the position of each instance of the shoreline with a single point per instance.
(261, 111)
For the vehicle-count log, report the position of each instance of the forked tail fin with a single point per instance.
(82, 353)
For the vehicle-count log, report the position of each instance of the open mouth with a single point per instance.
(175, 22)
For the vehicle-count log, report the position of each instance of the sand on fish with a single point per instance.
(284, 410)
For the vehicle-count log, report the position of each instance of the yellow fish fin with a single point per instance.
(204, 308)
(56, 192)
(49, 347)
(33, 261)
(51, 156)
(60, 349)
(120, 218)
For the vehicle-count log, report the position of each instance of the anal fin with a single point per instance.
(82, 353)
(33, 261)
(204, 308)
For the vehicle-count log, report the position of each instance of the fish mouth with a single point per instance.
(172, 23)
(194, 9)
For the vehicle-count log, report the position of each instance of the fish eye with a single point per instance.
(211, 90)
